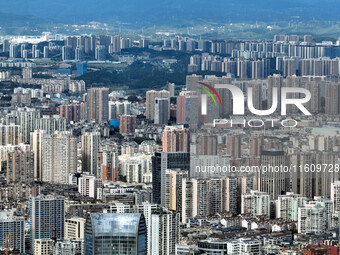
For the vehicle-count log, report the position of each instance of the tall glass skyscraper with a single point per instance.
(115, 234)
(162, 161)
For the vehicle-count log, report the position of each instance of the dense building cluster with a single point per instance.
(88, 170)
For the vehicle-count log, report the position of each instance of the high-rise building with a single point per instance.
(93, 43)
(192, 82)
(287, 206)
(117, 108)
(115, 233)
(231, 192)
(215, 198)
(180, 108)
(108, 165)
(79, 53)
(143, 43)
(246, 184)
(171, 88)
(27, 74)
(66, 53)
(256, 87)
(255, 142)
(162, 161)
(81, 68)
(173, 182)
(20, 166)
(166, 43)
(274, 183)
(76, 86)
(10, 134)
(335, 196)
(83, 110)
(10, 148)
(181, 44)
(71, 41)
(88, 185)
(255, 203)
(46, 51)
(26, 118)
(34, 49)
(125, 43)
(59, 157)
(290, 66)
(189, 199)
(127, 124)
(100, 53)
(70, 112)
(98, 104)
(46, 217)
(5, 46)
(314, 104)
(90, 142)
(37, 54)
(114, 47)
(275, 81)
(161, 111)
(201, 197)
(243, 68)
(312, 218)
(311, 184)
(191, 45)
(36, 145)
(165, 232)
(21, 99)
(162, 226)
(13, 50)
(24, 54)
(332, 98)
(257, 70)
(234, 145)
(187, 108)
(208, 166)
(175, 139)
(13, 226)
(207, 145)
(151, 95)
(50, 124)
(308, 38)
(74, 228)
(136, 169)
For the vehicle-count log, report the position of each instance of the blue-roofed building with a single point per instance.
(114, 123)
(115, 233)
(81, 68)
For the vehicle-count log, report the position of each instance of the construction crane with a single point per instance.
(7, 238)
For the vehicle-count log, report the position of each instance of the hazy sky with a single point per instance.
(161, 10)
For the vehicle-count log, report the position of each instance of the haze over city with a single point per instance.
(169, 127)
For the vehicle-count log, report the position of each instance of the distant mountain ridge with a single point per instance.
(159, 12)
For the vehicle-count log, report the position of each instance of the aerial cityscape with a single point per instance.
(170, 127)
